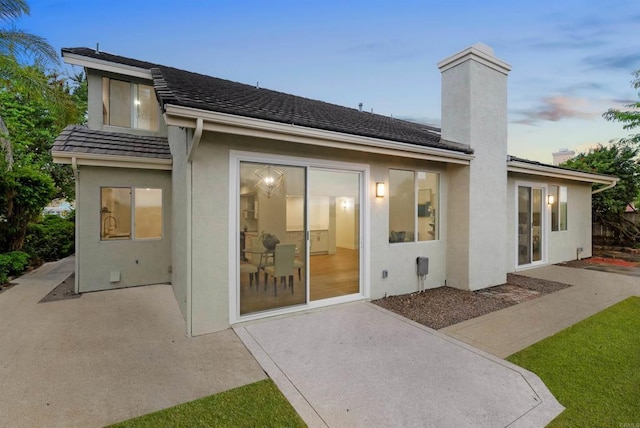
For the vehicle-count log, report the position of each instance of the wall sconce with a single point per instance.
(551, 199)
(379, 189)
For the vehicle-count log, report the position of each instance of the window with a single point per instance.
(129, 105)
(118, 222)
(413, 206)
(558, 208)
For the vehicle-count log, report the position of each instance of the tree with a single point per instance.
(619, 159)
(35, 104)
(630, 117)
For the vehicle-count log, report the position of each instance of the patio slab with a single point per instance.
(106, 356)
(359, 365)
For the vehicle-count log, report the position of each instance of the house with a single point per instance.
(253, 203)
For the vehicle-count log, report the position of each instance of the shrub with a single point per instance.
(13, 263)
(51, 239)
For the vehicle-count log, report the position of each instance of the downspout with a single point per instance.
(602, 189)
(76, 175)
(195, 141)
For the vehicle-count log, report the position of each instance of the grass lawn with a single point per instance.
(592, 368)
(259, 404)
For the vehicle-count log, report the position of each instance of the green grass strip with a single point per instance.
(592, 368)
(259, 404)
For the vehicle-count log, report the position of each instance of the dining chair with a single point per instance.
(252, 270)
(282, 267)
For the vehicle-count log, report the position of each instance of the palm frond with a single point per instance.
(22, 45)
(12, 9)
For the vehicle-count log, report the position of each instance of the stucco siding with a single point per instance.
(559, 246)
(139, 262)
(179, 201)
(213, 255)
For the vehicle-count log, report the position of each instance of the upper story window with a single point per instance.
(558, 208)
(129, 105)
(413, 206)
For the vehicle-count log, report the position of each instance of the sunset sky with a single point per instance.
(571, 60)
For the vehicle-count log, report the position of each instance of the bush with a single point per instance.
(51, 239)
(13, 263)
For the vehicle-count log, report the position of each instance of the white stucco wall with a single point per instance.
(211, 250)
(559, 246)
(178, 143)
(140, 262)
(474, 112)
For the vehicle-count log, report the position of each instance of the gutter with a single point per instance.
(231, 124)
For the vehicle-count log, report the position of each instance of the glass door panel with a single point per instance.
(334, 233)
(536, 222)
(524, 225)
(272, 223)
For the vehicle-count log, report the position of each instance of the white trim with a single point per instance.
(115, 161)
(237, 156)
(565, 174)
(108, 66)
(478, 55)
(238, 125)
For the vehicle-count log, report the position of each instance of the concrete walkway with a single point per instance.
(358, 365)
(106, 356)
(509, 330)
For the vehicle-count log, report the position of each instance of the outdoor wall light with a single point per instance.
(379, 189)
(550, 199)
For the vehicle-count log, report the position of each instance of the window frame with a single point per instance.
(561, 196)
(416, 208)
(132, 214)
(134, 89)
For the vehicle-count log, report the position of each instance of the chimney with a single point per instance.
(474, 113)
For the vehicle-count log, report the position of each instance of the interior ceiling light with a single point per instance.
(270, 179)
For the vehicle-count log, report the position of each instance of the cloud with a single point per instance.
(554, 109)
(630, 61)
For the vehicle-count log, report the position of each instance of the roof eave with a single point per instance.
(175, 115)
(114, 161)
(103, 65)
(565, 174)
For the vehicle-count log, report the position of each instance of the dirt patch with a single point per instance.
(444, 306)
(64, 290)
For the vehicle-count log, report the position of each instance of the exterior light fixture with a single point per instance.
(551, 199)
(379, 189)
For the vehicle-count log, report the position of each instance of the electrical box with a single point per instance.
(422, 265)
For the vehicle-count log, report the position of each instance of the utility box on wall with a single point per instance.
(422, 266)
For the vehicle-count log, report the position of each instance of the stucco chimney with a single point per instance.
(474, 112)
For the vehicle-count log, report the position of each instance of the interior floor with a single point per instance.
(331, 275)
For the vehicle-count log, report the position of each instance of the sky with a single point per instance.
(571, 60)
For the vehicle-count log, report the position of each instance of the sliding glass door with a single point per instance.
(299, 235)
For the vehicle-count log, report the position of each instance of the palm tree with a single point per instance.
(16, 47)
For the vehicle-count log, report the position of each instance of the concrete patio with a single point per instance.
(509, 330)
(106, 356)
(358, 365)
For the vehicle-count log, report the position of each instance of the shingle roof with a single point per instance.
(187, 89)
(80, 139)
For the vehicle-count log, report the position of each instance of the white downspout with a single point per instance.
(195, 141)
(76, 175)
(602, 189)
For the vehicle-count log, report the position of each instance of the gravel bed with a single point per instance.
(444, 306)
